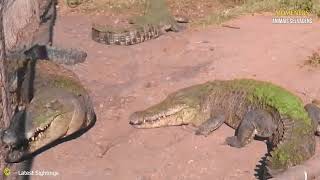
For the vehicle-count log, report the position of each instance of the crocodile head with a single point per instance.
(30, 130)
(313, 110)
(181, 107)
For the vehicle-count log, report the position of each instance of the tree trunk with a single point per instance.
(6, 111)
(28, 22)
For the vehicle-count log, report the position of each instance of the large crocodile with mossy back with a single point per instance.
(252, 108)
(53, 105)
(156, 21)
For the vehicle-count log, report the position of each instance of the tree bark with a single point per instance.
(6, 111)
(28, 22)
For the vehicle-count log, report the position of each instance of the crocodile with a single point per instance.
(253, 108)
(156, 21)
(56, 106)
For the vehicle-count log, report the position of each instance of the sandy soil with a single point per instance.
(125, 79)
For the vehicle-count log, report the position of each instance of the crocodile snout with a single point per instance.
(135, 119)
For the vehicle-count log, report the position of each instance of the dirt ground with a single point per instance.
(125, 79)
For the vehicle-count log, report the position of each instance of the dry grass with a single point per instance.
(105, 6)
(313, 60)
(194, 9)
(200, 12)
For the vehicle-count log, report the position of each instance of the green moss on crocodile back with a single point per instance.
(286, 103)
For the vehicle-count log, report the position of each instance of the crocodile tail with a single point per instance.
(261, 171)
(283, 136)
(128, 37)
(67, 56)
(296, 145)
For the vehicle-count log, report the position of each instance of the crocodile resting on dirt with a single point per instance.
(156, 21)
(252, 108)
(59, 106)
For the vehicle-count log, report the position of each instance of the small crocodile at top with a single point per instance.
(156, 21)
(253, 108)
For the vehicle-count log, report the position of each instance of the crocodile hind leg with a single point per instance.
(255, 121)
(210, 125)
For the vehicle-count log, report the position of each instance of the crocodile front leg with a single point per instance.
(255, 122)
(210, 125)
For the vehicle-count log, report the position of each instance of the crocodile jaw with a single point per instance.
(21, 145)
(171, 117)
(25, 147)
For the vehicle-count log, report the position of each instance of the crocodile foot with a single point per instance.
(234, 142)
